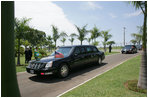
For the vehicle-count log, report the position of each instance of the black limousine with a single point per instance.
(129, 49)
(65, 58)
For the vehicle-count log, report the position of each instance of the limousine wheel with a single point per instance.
(64, 71)
(99, 61)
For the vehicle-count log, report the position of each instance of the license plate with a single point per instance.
(32, 71)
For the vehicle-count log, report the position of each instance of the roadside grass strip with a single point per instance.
(111, 83)
(20, 68)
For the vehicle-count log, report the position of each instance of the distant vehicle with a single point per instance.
(129, 49)
(139, 47)
(65, 58)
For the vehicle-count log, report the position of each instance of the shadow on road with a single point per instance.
(75, 72)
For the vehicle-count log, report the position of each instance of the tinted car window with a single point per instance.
(88, 49)
(82, 50)
(128, 47)
(64, 50)
(77, 51)
(94, 49)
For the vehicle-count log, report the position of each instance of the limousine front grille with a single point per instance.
(38, 65)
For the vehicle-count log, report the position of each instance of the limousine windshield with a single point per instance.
(64, 50)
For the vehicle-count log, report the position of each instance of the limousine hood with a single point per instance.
(47, 59)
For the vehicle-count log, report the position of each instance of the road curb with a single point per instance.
(97, 75)
(21, 72)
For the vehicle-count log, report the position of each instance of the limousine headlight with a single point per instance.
(29, 64)
(49, 64)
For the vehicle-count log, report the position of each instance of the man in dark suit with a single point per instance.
(30, 53)
(26, 55)
(110, 48)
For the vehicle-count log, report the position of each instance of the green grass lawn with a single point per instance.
(23, 65)
(21, 68)
(111, 83)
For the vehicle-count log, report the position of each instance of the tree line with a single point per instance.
(28, 36)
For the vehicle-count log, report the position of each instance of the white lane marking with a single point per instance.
(95, 76)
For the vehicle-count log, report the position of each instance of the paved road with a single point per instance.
(51, 86)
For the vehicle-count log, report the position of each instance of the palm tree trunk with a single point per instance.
(81, 42)
(104, 48)
(142, 82)
(55, 44)
(18, 57)
(92, 40)
(9, 86)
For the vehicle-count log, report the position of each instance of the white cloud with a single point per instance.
(112, 15)
(44, 14)
(90, 5)
(137, 13)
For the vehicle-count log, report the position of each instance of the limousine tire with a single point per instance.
(99, 61)
(63, 71)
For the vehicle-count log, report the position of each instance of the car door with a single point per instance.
(76, 58)
(94, 55)
(89, 54)
(83, 55)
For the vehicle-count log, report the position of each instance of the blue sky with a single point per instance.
(107, 15)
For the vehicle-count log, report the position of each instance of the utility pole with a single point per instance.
(124, 36)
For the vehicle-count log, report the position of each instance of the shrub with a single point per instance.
(22, 50)
(43, 53)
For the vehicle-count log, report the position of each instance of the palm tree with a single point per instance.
(63, 41)
(138, 37)
(142, 82)
(72, 36)
(95, 43)
(20, 28)
(106, 36)
(89, 40)
(82, 33)
(133, 41)
(140, 29)
(56, 35)
(94, 33)
(63, 35)
(49, 42)
(110, 42)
